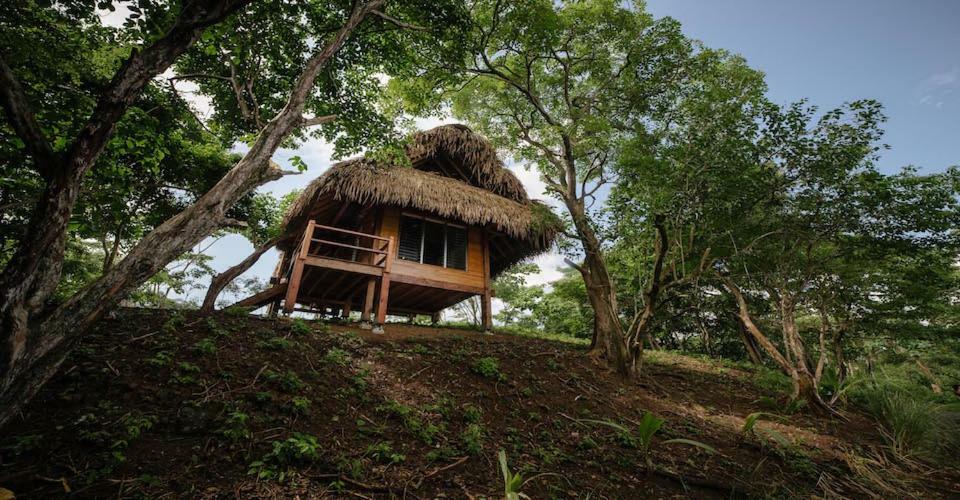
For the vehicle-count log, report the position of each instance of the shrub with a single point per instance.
(472, 439)
(296, 449)
(488, 367)
(913, 421)
(300, 327)
(205, 347)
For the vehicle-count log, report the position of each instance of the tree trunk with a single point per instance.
(609, 340)
(748, 343)
(31, 356)
(220, 281)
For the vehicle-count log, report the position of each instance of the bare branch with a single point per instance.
(317, 120)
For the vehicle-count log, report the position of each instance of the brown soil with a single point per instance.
(152, 407)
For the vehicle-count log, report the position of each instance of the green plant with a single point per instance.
(205, 346)
(337, 357)
(472, 414)
(642, 437)
(288, 382)
(472, 439)
(488, 367)
(300, 327)
(296, 449)
(275, 344)
(299, 405)
(237, 311)
(383, 452)
(235, 427)
(173, 323)
(511, 482)
(161, 358)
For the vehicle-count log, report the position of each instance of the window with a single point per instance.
(431, 242)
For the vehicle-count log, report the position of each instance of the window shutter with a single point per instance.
(433, 243)
(456, 247)
(411, 234)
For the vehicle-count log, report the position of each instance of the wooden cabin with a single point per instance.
(407, 240)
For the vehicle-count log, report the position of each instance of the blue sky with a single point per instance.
(904, 54)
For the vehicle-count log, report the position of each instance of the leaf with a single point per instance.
(690, 442)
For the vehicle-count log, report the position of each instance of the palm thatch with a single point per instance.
(487, 194)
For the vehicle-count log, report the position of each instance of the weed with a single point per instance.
(420, 349)
(300, 327)
(488, 367)
(472, 439)
(296, 449)
(336, 357)
(215, 327)
(237, 311)
(205, 347)
(235, 427)
(275, 344)
(642, 437)
(512, 483)
(299, 405)
(553, 365)
(472, 413)
(383, 452)
(161, 358)
(288, 382)
(173, 323)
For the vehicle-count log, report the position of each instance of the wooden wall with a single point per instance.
(472, 276)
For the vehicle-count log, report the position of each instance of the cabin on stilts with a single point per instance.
(407, 240)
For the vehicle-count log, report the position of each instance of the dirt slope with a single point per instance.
(155, 405)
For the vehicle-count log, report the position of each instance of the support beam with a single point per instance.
(368, 303)
(384, 289)
(296, 275)
(485, 310)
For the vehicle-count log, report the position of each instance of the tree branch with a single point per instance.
(24, 123)
(397, 22)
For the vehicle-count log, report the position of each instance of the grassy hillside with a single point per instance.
(157, 403)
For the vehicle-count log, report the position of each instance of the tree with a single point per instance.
(682, 185)
(35, 340)
(559, 85)
(830, 225)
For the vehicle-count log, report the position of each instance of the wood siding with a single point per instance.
(471, 277)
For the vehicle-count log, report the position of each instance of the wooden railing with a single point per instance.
(362, 248)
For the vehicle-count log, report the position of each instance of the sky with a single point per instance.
(904, 54)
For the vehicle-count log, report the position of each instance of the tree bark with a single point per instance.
(220, 281)
(31, 357)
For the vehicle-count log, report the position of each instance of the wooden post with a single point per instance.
(384, 289)
(290, 300)
(485, 311)
(347, 306)
(435, 318)
(368, 304)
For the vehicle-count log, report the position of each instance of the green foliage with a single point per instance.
(235, 427)
(488, 367)
(915, 421)
(288, 381)
(299, 405)
(299, 326)
(642, 436)
(275, 344)
(205, 347)
(512, 482)
(471, 439)
(383, 452)
(298, 449)
(336, 357)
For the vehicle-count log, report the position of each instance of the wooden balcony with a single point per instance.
(337, 249)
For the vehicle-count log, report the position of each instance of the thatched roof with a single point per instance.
(487, 194)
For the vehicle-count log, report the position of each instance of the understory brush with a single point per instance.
(916, 420)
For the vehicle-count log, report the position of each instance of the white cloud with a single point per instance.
(939, 89)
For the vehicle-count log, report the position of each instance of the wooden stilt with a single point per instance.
(435, 318)
(384, 289)
(368, 303)
(345, 312)
(290, 300)
(485, 311)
